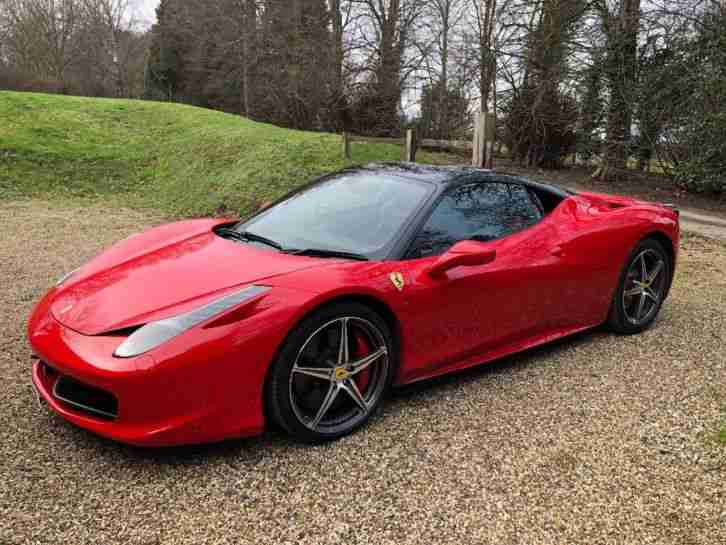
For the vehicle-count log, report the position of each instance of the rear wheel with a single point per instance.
(332, 373)
(642, 289)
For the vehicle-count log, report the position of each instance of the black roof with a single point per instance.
(450, 175)
(429, 173)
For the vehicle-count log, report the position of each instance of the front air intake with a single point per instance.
(86, 399)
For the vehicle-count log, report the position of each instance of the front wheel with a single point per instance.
(331, 373)
(642, 289)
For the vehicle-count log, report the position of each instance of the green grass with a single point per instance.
(182, 160)
(721, 437)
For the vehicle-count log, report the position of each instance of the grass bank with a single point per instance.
(181, 160)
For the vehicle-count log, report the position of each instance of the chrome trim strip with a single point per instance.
(80, 405)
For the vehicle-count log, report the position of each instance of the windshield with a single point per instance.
(356, 212)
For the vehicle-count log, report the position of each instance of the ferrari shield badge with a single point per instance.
(398, 280)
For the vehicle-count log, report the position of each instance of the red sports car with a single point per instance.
(305, 314)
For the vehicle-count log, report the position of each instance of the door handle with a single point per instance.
(558, 251)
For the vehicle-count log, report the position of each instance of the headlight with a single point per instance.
(63, 279)
(157, 333)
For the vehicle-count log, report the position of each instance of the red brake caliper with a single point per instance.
(362, 348)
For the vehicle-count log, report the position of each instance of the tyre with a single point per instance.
(642, 288)
(332, 373)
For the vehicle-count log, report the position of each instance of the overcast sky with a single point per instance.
(146, 10)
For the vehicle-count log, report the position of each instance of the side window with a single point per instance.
(523, 211)
(484, 211)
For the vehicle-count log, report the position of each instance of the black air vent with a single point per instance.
(86, 399)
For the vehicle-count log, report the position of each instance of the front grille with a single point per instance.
(86, 399)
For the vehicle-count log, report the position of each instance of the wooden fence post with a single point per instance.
(484, 136)
(346, 146)
(491, 136)
(477, 152)
(409, 151)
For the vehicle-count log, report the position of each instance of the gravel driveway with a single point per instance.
(597, 439)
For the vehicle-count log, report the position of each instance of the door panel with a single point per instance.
(471, 311)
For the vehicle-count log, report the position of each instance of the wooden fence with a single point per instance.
(481, 147)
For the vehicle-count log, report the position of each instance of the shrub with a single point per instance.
(705, 168)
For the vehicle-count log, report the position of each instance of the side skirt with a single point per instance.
(493, 355)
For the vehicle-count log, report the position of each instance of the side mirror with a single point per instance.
(467, 253)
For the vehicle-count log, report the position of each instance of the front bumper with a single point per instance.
(45, 382)
(185, 394)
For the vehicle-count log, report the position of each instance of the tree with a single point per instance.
(655, 95)
(297, 64)
(76, 46)
(485, 17)
(247, 9)
(540, 116)
(451, 105)
(620, 25)
(592, 108)
(109, 42)
(40, 36)
(385, 30)
(266, 59)
(699, 131)
(167, 51)
(446, 14)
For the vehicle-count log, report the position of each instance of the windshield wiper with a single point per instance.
(246, 236)
(259, 238)
(319, 252)
(231, 233)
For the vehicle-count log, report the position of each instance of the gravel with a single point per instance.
(596, 439)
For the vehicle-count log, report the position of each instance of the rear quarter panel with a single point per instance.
(598, 234)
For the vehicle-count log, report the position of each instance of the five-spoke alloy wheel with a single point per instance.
(642, 290)
(331, 373)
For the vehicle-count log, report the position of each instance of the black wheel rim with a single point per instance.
(339, 375)
(645, 284)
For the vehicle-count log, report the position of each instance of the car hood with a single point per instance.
(162, 273)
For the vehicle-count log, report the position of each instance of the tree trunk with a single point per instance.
(389, 70)
(337, 18)
(339, 100)
(622, 38)
(445, 14)
(249, 31)
(486, 53)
